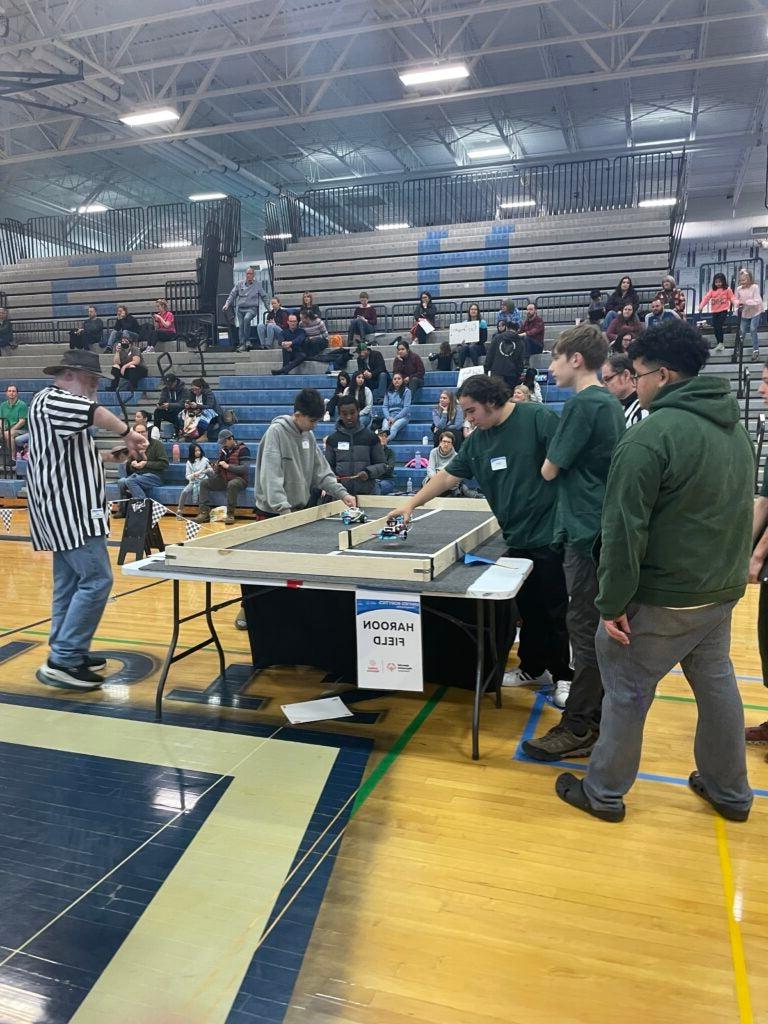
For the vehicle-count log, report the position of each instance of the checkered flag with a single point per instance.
(158, 511)
(192, 529)
(109, 509)
(6, 514)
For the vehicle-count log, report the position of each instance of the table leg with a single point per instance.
(215, 635)
(479, 678)
(169, 657)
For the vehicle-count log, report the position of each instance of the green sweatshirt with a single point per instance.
(677, 516)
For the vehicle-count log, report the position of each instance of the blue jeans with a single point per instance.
(359, 326)
(138, 485)
(82, 580)
(750, 324)
(380, 387)
(386, 486)
(243, 319)
(610, 316)
(396, 427)
(270, 335)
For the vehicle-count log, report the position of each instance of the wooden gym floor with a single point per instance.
(447, 892)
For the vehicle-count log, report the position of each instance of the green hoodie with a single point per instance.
(677, 516)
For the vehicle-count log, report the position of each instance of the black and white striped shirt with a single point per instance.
(65, 480)
(633, 411)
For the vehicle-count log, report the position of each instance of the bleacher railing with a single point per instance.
(573, 305)
(731, 270)
(401, 314)
(759, 441)
(121, 230)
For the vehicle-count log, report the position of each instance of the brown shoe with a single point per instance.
(229, 520)
(203, 518)
(756, 733)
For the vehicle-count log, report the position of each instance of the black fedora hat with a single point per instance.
(77, 360)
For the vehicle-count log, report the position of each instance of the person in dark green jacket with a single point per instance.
(756, 733)
(676, 540)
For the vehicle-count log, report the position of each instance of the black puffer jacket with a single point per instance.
(505, 356)
(353, 451)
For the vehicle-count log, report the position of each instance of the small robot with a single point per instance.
(396, 529)
(353, 517)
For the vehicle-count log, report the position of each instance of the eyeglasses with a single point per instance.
(607, 380)
(635, 377)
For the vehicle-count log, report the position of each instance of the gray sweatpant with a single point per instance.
(699, 639)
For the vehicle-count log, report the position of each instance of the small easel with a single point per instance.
(139, 535)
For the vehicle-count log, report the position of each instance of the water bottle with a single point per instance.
(425, 441)
(409, 486)
(176, 453)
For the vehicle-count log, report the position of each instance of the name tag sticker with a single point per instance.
(97, 513)
(500, 462)
(305, 443)
(343, 446)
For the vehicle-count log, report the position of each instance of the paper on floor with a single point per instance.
(316, 710)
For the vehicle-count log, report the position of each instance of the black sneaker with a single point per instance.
(559, 744)
(80, 678)
(96, 662)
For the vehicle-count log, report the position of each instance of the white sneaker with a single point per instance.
(720, 347)
(562, 692)
(519, 678)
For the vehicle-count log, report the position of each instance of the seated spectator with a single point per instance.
(529, 379)
(203, 394)
(659, 313)
(371, 362)
(353, 452)
(623, 293)
(142, 418)
(363, 395)
(424, 311)
(622, 342)
(293, 345)
(6, 332)
(521, 393)
(397, 406)
(173, 395)
(363, 320)
(627, 322)
(444, 357)
(13, 418)
(127, 365)
(142, 475)
(191, 423)
(163, 325)
(617, 377)
(312, 347)
(447, 415)
(230, 474)
(409, 366)
(506, 355)
(124, 322)
(91, 332)
(532, 331)
(671, 296)
(387, 480)
(510, 312)
(343, 381)
(474, 349)
(308, 305)
(596, 309)
(197, 468)
(271, 333)
(440, 457)
(246, 297)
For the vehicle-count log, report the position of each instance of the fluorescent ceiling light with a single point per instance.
(141, 118)
(200, 197)
(271, 238)
(90, 208)
(180, 244)
(661, 142)
(391, 227)
(446, 73)
(486, 151)
(520, 202)
(667, 201)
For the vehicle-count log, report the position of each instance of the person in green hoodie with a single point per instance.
(676, 541)
(759, 733)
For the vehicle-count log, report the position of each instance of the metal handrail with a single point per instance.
(738, 354)
(759, 440)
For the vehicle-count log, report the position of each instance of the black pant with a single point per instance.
(232, 487)
(762, 630)
(158, 335)
(169, 415)
(582, 711)
(542, 603)
(718, 323)
(132, 375)
(79, 339)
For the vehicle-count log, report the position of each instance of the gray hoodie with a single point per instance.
(289, 468)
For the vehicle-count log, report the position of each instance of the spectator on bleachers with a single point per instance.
(623, 293)
(191, 423)
(203, 394)
(622, 342)
(363, 395)
(596, 309)
(521, 394)
(315, 330)
(474, 349)
(293, 345)
(308, 305)
(617, 377)
(246, 296)
(195, 471)
(424, 311)
(439, 458)
(343, 382)
(387, 481)
(532, 331)
(509, 312)
(444, 357)
(353, 452)
(506, 355)
(720, 300)
(142, 475)
(127, 364)
(628, 322)
(371, 362)
(671, 296)
(125, 321)
(163, 325)
(6, 332)
(13, 418)
(659, 314)
(363, 320)
(750, 304)
(409, 366)
(173, 395)
(312, 347)
(397, 405)
(141, 418)
(447, 415)
(91, 333)
(529, 379)
(271, 333)
(230, 474)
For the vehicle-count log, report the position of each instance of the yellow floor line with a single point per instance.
(734, 930)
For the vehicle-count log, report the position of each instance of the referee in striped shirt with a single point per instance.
(68, 511)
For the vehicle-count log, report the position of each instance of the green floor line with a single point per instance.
(692, 700)
(396, 749)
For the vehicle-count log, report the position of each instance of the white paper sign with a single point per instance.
(388, 641)
(464, 333)
(426, 326)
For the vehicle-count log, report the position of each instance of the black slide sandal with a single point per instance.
(696, 783)
(571, 790)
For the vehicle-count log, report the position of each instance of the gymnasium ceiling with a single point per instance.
(284, 94)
